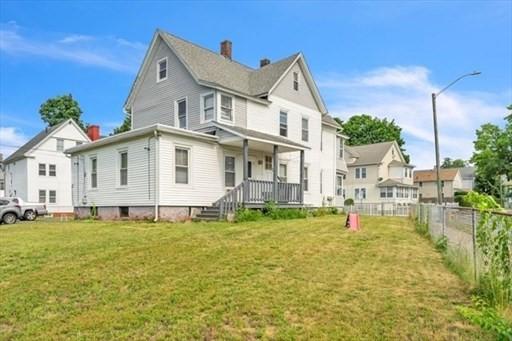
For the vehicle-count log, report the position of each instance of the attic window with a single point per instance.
(296, 81)
(161, 72)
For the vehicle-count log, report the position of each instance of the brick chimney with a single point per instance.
(225, 49)
(93, 131)
(264, 61)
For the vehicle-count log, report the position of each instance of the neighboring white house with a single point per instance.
(467, 175)
(209, 131)
(39, 171)
(378, 173)
(426, 180)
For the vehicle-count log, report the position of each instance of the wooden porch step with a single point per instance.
(208, 214)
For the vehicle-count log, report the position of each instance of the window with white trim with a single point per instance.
(52, 170)
(340, 148)
(181, 108)
(94, 172)
(283, 172)
(386, 192)
(123, 168)
(52, 197)
(339, 185)
(268, 162)
(360, 193)
(226, 107)
(305, 129)
(283, 123)
(181, 165)
(42, 169)
(161, 72)
(229, 171)
(60, 145)
(42, 196)
(296, 81)
(208, 105)
(361, 173)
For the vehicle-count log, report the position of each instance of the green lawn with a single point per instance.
(295, 279)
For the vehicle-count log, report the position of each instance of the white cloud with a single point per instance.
(10, 140)
(105, 52)
(403, 93)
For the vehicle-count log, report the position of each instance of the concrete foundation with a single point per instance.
(166, 213)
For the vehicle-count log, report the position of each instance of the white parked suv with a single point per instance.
(29, 211)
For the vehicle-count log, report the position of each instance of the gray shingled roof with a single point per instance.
(213, 68)
(326, 118)
(391, 183)
(259, 135)
(20, 152)
(369, 153)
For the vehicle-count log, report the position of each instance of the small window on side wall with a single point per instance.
(123, 168)
(161, 69)
(296, 81)
(60, 145)
(181, 166)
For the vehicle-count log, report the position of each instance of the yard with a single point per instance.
(295, 279)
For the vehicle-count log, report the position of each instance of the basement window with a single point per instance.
(124, 212)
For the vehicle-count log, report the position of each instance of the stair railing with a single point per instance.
(229, 202)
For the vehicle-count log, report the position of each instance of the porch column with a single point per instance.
(246, 169)
(275, 170)
(301, 180)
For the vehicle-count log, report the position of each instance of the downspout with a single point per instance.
(157, 175)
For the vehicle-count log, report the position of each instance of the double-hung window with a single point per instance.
(161, 69)
(42, 169)
(181, 160)
(52, 196)
(52, 170)
(229, 171)
(339, 185)
(60, 145)
(360, 193)
(94, 172)
(226, 107)
(386, 192)
(268, 162)
(42, 196)
(340, 148)
(207, 102)
(296, 81)
(123, 168)
(305, 129)
(181, 107)
(283, 172)
(283, 123)
(361, 173)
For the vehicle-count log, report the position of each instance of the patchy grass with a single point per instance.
(294, 279)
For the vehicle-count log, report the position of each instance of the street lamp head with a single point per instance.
(475, 73)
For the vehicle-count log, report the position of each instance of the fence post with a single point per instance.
(381, 208)
(473, 233)
(443, 211)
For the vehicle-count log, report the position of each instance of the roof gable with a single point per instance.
(40, 138)
(369, 154)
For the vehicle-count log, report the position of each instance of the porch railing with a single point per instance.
(258, 192)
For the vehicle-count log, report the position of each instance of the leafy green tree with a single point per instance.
(60, 108)
(125, 126)
(365, 129)
(453, 163)
(493, 157)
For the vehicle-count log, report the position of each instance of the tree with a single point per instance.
(493, 157)
(453, 163)
(60, 108)
(125, 126)
(365, 129)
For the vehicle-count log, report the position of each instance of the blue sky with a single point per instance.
(381, 58)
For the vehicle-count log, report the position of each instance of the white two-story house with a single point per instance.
(378, 173)
(208, 131)
(39, 171)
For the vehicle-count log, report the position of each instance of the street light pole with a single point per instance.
(436, 137)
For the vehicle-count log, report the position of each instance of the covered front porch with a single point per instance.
(265, 177)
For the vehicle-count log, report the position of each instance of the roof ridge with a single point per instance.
(208, 50)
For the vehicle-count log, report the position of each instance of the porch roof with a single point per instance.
(257, 136)
(392, 183)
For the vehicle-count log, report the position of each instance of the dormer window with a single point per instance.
(296, 81)
(161, 69)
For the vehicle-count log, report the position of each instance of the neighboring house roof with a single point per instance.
(369, 154)
(329, 120)
(467, 173)
(391, 183)
(428, 175)
(396, 163)
(256, 135)
(144, 131)
(36, 140)
(214, 70)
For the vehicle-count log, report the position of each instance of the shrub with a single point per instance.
(442, 244)
(349, 202)
(288, 213)
(244, 214)
(269, 208)
(322, 211)
(487, 318)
